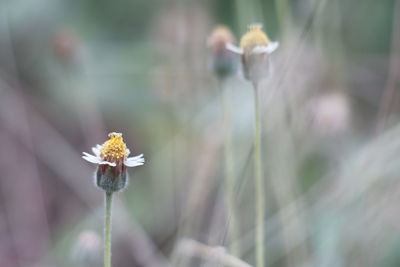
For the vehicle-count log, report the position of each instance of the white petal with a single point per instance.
(133, 164)
(134, 161)
(136, 157)
(108, 163)
(266, 49)
(92, 159)
(128, 151)
(234, 48)
(272, 47)
(96, 150)
(140, 160)
(97, 160)
(260, 50)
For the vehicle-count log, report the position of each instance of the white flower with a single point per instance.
(255, 48)
(255, 41)
(112, 153)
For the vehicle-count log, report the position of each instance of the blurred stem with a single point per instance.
(259, 183)
(107, 229)
(284, 16)
(248, 12)
(229, 173)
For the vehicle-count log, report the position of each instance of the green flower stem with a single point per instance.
(107, 229)
(229, 178)
(259, 183)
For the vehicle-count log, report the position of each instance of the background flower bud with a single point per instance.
(222, 62)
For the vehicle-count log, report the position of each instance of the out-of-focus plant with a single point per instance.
(87, 248)
(255, 48)
(223, 64)
(111, 176)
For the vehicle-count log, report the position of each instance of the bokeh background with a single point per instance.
(72, 71)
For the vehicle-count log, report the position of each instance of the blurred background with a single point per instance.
(73, 71)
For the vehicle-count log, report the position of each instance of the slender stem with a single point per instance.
(229, 178)
(107, 229)
(259, 183)
(284, 16)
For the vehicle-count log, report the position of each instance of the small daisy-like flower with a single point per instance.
(222, 61)
(255, 47)
(255, 41)
(112, 159)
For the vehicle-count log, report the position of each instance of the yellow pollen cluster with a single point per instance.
(114, 148)
(254, 37)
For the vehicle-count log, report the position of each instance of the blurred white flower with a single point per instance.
(330, 114)
(255, 41)
(223, 63)
(254, 49)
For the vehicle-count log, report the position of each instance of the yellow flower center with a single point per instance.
(254, 37)
(114, 149)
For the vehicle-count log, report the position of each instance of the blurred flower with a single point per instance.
(255, 47)
(223, 62)
(330, 114)
(65, 45)
(112, 158)
(87, 249)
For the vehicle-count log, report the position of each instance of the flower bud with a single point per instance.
(111, 179)
(223, 63)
